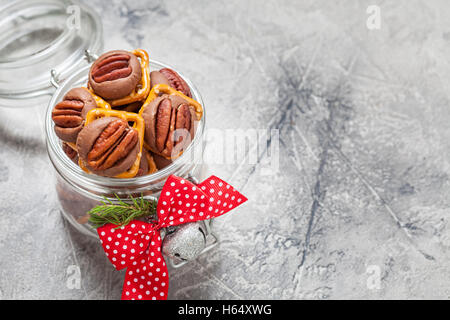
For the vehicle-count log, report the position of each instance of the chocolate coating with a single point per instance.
(90, 138)
(70, 113)
(157, 77)
(115, 74)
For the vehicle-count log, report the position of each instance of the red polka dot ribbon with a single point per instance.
(137, 245)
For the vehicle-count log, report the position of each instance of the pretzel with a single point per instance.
(99, 101)
(141, 93)
(164, 88)
(127, 116)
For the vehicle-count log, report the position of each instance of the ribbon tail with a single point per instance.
(148, 278)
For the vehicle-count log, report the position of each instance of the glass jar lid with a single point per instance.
(41, 37)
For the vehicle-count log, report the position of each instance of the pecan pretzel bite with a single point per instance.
(108, 146)
(69, 114)
(115, 74)
(169, 125)
(171, 78)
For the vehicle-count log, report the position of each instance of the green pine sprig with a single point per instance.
(121, 212)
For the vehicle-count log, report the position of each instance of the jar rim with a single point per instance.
(75, 173)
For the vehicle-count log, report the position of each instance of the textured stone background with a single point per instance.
(363, 177)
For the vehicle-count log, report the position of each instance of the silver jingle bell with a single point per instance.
(185, 242)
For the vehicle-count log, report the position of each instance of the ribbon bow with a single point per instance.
(137, 245)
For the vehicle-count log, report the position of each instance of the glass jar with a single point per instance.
(46, 47)
(78, 192)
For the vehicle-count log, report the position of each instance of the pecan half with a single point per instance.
(111, 68)
(69, 114)
(169, 125)
(171, 78)
(108, 146)
(115, 74)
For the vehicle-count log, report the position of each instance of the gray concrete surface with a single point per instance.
(359, 207)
